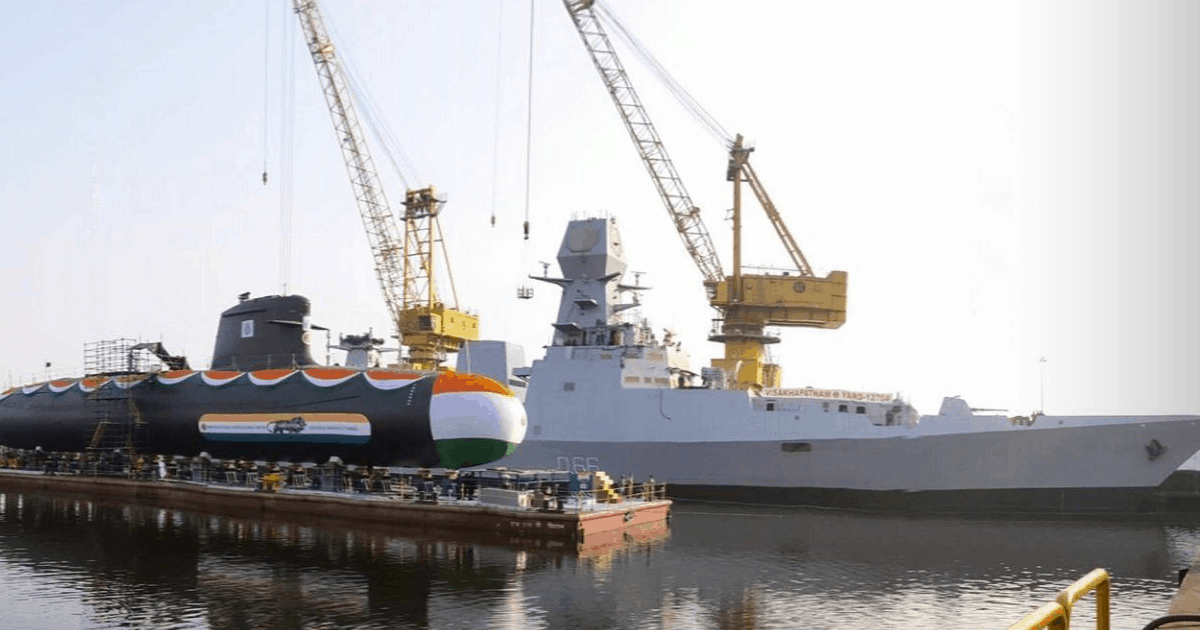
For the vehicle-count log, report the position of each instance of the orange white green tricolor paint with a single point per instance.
(340, 428)
(458, 411)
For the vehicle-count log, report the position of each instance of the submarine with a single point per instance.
(265, 398)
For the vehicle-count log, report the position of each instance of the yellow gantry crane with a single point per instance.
(425, 325)
(746, 303)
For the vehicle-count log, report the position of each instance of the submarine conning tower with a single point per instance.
(265, 332)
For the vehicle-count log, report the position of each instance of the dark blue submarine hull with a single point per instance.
(291, 420)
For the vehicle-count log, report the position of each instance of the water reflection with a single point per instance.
(70, 562)
(766, 567)
(157, 567)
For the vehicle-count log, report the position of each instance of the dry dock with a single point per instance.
(547, 517)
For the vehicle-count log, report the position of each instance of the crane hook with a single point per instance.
(527, 230)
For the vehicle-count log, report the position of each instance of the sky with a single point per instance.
(1011, 186)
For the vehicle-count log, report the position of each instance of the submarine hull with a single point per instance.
(363, 417)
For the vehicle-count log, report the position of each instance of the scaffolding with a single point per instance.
(116, 427)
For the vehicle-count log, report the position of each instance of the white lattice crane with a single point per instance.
(428, 327)
(747, 303)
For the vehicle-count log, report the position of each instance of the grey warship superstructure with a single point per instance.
(608, 395)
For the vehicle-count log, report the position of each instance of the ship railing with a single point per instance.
(645, 491)
(1056, 615)
(116, 464)
(586, 500)
(271, 476)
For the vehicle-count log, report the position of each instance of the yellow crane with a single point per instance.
(405, 267)
(746, 303)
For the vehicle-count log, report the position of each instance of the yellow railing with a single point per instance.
(1052, 616)
(1057, 614)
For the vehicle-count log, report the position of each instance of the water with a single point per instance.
(76, 563)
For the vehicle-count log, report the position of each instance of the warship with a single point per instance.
(609, 395)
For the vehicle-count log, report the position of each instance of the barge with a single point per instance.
(549, 509)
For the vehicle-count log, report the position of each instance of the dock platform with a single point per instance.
(1185, 606)
(575, 520)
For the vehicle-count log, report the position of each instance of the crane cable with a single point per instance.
(436, 227)
(287, 141)
(682, 95)
(383, 134)
(266, 80)
(496, 110)
(377, 124)
(529, 119)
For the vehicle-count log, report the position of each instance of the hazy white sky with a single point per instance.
(1002, 181)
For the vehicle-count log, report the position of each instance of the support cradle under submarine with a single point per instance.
(266, 399)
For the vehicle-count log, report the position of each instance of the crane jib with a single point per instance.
(747, 302)
(403, 265)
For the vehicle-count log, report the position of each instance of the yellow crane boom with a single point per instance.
(404, 267)
(684, 213)
(747, 303)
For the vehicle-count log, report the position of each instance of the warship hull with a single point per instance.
(1017, 472)
(744, 447)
